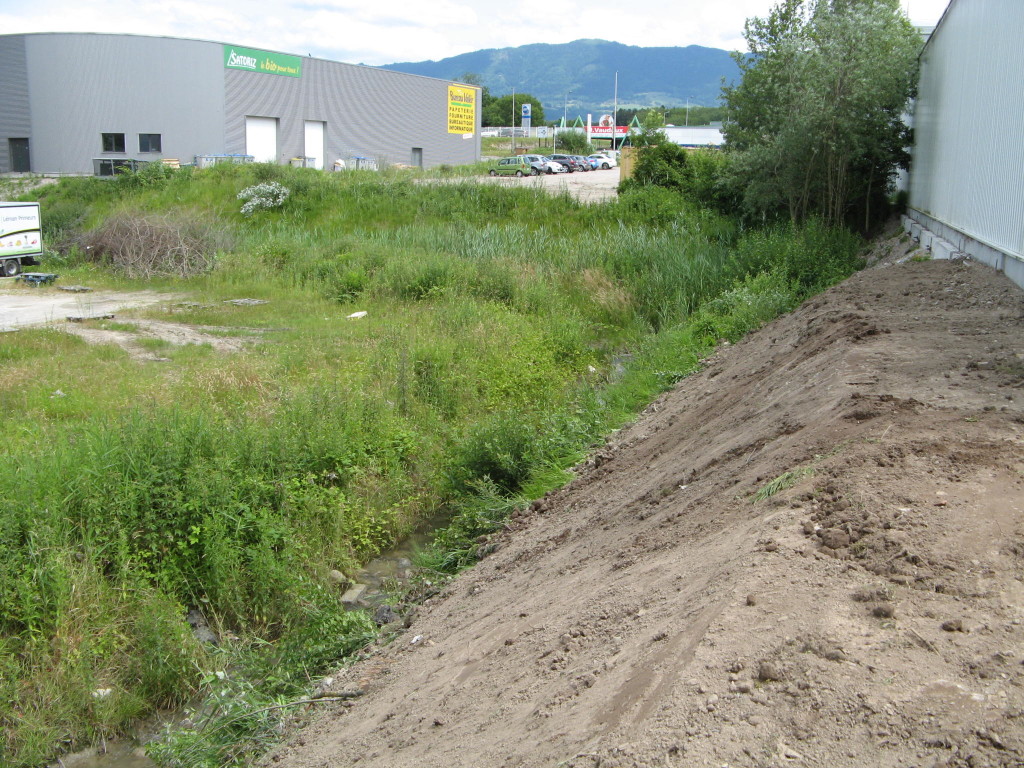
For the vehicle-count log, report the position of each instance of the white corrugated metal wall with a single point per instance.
(968, 168)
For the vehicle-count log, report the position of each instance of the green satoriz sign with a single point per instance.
(266, 62)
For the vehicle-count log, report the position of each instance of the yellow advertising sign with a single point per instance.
(461, 109)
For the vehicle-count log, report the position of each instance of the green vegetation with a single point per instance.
(507, 110)
(781, 483)
(815, 128)
(816, 124)
(694, 115)
(234, 485)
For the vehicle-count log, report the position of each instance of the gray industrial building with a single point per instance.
(967, 176)
(90, 103)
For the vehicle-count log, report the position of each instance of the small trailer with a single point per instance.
(21, 239)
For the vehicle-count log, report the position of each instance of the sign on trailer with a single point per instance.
(19, 230)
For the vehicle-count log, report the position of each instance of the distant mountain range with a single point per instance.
(585, 70)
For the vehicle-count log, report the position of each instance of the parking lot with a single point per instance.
(591, 186)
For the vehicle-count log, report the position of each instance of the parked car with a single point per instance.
(570, 162)
(602, 161)
(545, 164)
(514, 166)
(554, 166)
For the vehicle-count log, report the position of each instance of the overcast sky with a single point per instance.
(362, 31)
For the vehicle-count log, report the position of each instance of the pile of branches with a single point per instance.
(154, 245)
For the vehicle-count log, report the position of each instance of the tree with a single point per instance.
(817, 120)
(499, 111)
(652, 131)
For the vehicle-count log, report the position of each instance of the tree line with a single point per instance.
(815, 128)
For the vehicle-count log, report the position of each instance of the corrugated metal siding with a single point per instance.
(15, 117)
(84, 85)
(76, 87)
(968, 168)
(368, 112)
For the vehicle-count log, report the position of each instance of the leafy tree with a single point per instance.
(652, 133)
(499, 111)
(816, 122)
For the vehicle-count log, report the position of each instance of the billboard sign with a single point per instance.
(526, 110)
(606, 131)
(19, 230)
(461, 109)
(251, 60)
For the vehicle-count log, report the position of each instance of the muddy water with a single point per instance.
(395, 565)
(118, 755)
(378, 574)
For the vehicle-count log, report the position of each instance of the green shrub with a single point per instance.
(573, 143)
(662, 165)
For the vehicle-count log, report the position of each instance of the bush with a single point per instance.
(154, 174)
(573, 143)
(661, 165)
(701, 176)
(169, 245)
(501, 450)
(262, 197)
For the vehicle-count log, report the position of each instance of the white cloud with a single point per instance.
(409, 30)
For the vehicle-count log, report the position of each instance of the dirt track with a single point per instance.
(653, 614)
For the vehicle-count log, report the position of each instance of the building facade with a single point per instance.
(967, 177)
(87, 103)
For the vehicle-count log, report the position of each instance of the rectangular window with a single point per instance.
(113, 142)
(149, 142)
(112, 167)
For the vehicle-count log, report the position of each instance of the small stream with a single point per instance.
(389, 567)
(395, 565)
(119, 754)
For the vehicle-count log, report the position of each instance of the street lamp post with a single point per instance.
(565, 117)
(615, 110)
(513, 121)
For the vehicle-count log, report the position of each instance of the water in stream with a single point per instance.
(394, 565)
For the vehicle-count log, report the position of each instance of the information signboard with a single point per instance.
(19, 230)
(461, 109)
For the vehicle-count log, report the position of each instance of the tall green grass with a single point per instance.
(486, 365)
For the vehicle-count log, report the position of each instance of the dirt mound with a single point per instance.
(810, 553)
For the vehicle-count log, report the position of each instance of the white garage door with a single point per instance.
(315, 142)
(261, 138)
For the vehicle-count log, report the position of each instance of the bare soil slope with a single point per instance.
(653, 613)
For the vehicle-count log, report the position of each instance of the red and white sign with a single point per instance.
(605, 121)
(606, 130)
